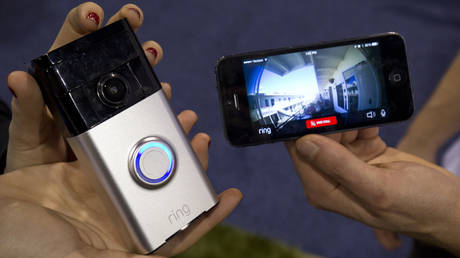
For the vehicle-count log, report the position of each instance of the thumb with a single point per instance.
(389, 240)
(341, 165)
(27, 108)
(89, 251)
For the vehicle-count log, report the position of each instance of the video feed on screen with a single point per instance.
(319, 83)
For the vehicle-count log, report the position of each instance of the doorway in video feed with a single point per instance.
(331, 82)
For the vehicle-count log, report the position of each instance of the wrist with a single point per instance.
(419, 147)
(445, 233)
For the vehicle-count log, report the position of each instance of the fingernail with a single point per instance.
(307, 149)
(12, 92)
(136, 11)
(93, 17)
(153, 51)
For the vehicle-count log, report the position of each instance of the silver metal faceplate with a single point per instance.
(150, 216)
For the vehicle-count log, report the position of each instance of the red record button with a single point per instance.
(319, 122)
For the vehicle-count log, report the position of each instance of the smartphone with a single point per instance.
(120, 126)
(281, 94)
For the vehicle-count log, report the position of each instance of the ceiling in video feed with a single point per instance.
(310, 84)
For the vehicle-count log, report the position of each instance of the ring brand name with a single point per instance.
(178, 214)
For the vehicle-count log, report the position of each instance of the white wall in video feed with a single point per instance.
(310, 84)
(357, 81)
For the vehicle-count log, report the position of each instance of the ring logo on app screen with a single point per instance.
(320, 122)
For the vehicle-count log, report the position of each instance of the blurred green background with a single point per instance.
(225, 241)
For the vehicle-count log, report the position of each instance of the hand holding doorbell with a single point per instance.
(45, 188)
(282, 94)
(93, 71)
(121, 128)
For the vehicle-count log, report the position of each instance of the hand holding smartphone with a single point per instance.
(275, 95)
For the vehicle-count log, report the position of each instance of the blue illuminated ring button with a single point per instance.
(152, 162)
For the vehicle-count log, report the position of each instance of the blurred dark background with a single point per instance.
(194, 34)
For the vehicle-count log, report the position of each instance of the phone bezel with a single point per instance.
(231, 82)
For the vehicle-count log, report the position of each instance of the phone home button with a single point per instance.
(152, 162)
(397, 77)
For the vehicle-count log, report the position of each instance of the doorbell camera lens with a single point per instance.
(112, 90)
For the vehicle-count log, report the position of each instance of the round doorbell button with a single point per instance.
(152, 162)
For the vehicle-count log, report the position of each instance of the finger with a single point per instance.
(323, 192)
(153, 52)
(27, 108)
(335, 161)
(228, 200)
(335, 136)
(367, 145)
(364, 143)
(187, 119)
(394, 159)
(349, 136)
(167, 89)
(132, 13)
(368, 133)
(89, 251)
(200, 144)
(31, 127)
(80, 21)
(389, 240)
(368, 149)
(311, 180)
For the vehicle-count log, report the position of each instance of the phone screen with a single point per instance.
(321, 89)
